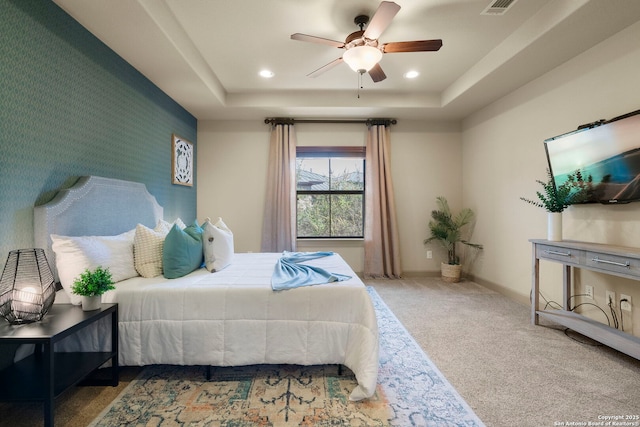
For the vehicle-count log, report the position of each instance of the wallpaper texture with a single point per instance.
(70, 106)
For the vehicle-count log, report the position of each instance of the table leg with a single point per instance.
(535, 286)
(566, 286)
(114, 348)
(49, 372)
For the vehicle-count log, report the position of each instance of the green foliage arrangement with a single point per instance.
(552, 199)
(447, 229)
(93, 283)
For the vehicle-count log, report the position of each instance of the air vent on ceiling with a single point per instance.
(498, 7)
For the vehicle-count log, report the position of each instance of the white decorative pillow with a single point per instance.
(217, 245)
(165, 225)
(76, 254)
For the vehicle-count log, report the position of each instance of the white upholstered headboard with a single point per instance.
(94, 206)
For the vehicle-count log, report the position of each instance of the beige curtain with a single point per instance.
(279, 226)
(381, 246)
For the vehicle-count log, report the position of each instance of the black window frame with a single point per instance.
(328, 152)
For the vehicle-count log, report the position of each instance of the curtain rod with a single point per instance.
(368, 122)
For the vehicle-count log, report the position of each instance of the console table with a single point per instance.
(46, 374)
(614, 260)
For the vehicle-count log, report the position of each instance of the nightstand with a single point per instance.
(45, 374)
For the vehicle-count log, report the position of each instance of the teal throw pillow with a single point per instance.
(182, 251)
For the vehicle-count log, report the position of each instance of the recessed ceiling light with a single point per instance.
(267, 74)
(411, 74)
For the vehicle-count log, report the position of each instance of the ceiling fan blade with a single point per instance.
(381, 19)
(324, 68)
(314, 39)
(414, 46)
(376, 73)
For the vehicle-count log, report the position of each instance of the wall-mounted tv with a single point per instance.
(606, 151)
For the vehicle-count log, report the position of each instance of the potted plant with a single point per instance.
(91, 285)
(449, 230)
(555, 199)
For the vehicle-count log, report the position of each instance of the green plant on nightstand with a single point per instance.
(91, 285)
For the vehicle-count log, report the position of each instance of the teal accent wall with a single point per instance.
(70, 106)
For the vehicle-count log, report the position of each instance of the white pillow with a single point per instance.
(217, 245)
(147, 247)
(76, 254)
(165, 225)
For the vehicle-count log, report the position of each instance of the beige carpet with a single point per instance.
(510, 372)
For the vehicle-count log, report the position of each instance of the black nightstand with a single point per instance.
(45, 374)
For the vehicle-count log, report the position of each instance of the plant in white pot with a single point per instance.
(555, 199)
(91, 285)
(449, 230)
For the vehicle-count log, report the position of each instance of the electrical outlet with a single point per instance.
(625, 305)
(611, 298)
(429, 254)
(589, 291)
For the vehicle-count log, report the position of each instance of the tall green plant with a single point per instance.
(556, 199)
(447, 229)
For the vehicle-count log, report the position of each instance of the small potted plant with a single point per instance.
(449, 230)
(555, 199)
(91, 285)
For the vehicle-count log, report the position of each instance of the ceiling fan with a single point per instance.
(363, 51)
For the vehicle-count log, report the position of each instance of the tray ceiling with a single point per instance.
(207, 54)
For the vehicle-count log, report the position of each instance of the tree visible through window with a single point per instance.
(330, 192)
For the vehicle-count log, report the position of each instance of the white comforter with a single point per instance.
(233, 317)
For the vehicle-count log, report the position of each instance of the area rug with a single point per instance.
(411, 391)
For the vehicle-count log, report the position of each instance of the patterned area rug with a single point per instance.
(411, 392)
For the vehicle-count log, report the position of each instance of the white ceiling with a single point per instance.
(206, 54)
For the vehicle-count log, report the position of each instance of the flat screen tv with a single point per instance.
(606, 151)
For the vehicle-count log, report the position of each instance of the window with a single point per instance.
(330, 192)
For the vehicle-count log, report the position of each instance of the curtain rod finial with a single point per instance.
(279, 120)
(381, 122)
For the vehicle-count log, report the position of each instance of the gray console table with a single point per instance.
(615, 260)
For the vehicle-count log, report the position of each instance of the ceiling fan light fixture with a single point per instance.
(362, 58)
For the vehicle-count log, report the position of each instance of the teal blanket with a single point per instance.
(289, 273)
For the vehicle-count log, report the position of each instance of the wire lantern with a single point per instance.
(27, 287)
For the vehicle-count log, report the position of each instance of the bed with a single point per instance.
(230, 317)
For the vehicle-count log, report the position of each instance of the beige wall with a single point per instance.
(232, 166)
(488, 165)
(231, 172)
(504, 154)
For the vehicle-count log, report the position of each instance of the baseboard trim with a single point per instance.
(421, 273)
(509, 293)
(410, 274)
